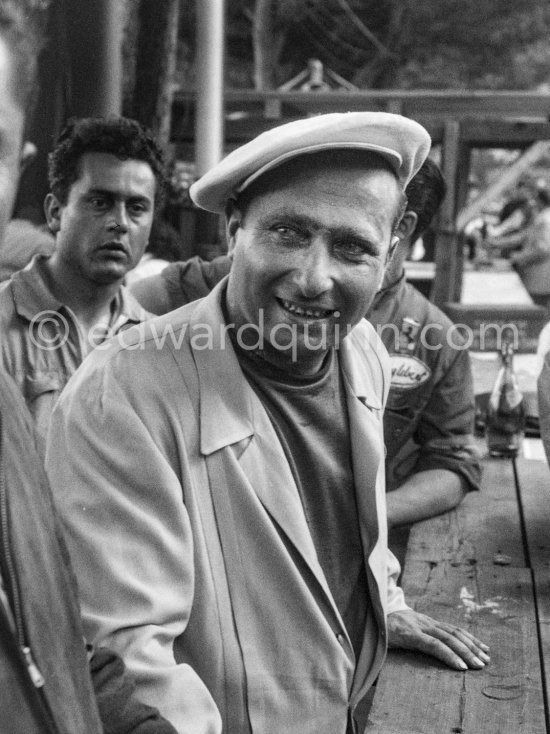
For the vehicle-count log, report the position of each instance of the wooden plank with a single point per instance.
(417, 695)
(541, 578)
(533, 481)
(485, 526)
(534, 489)
(243, 124)
(458, 103)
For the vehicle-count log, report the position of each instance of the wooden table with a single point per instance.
(484, 566)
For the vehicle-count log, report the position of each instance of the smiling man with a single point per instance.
(106, 177)
(220, 469)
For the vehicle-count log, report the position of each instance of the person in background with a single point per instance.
(509, 236)
(23, 240)
(180, 283)
(46, 687)
(106, 177)
(431, 460)
(532, 262)
(224, 494)
(163, 248)
(543, 397)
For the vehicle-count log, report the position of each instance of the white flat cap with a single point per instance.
(402, 142)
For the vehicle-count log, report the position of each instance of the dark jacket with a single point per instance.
(45, 615)
(40, 586)
(429, 417)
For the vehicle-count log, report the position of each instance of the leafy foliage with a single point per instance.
(394, 43)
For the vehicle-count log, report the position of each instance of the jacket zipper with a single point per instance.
(12, 588)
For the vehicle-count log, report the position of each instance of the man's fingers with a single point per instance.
(472, 642)
(437, 649)
(454, 646)
(462, 646)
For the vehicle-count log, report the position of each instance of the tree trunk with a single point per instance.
(267, 43)
(155, 66)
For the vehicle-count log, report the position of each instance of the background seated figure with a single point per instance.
(431, 460)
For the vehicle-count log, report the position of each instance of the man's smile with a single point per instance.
(307, 312)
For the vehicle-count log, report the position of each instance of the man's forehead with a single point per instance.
(342, 176)
(109, 170)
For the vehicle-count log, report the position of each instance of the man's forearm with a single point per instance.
(423, 495)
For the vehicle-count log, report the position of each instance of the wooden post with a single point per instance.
(448, 252)
(94, 38)
(209, 104)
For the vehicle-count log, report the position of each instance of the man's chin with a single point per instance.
(109, 276)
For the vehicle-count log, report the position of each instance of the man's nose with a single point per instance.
(118, 220)
(314, 271)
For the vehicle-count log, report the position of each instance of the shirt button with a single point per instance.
(341, 639)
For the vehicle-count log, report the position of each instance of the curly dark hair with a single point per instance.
(120, 136)
(425, 192)
(19, 31)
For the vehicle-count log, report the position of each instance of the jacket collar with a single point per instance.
(232, 420)
(30, 292)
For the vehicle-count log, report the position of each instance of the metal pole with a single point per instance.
(209, 104)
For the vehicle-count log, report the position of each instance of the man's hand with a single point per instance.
(454, 646)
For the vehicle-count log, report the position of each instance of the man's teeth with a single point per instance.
(309, 312)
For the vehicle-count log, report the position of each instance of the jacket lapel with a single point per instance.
(366, 394)
(239, 416)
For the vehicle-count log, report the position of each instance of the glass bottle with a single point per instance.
(505, 422)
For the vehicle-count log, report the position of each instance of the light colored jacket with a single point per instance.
(189, 540)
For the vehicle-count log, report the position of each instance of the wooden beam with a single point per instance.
(519, 107)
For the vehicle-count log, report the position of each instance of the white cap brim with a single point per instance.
(402, 142)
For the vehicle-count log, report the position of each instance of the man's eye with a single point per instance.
(355, 251)
(98, 202)
(137, 209)
(285, 231)
(289, 235)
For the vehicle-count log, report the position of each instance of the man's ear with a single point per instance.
(232, 224)
(27, 155)
(407, 225)
(52, 210)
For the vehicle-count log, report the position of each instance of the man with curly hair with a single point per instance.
(106, 177)
(45, 682)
